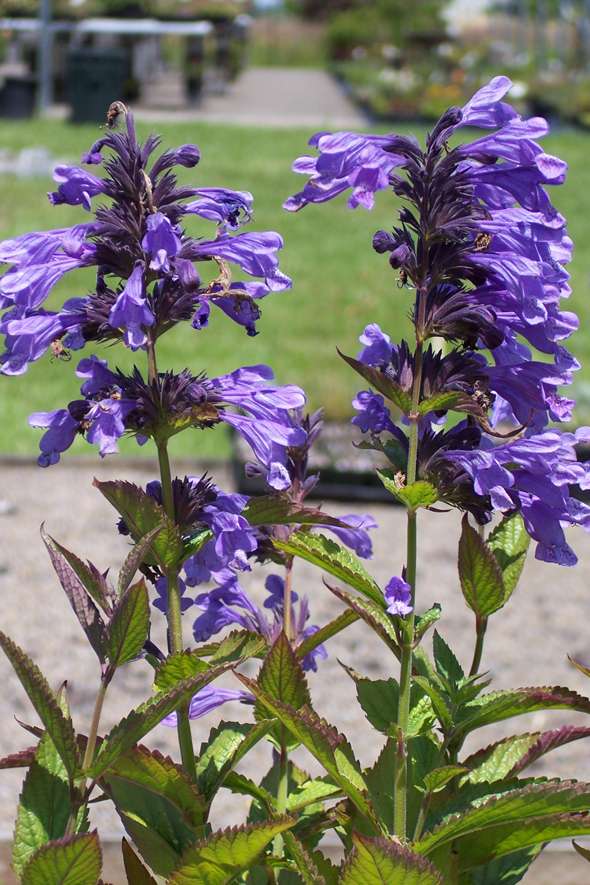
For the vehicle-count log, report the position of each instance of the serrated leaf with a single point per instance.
(510, 756)
(140, 721)
(323, 741)
(57, 724)
(507, 870)
(426, 620)
(390, 389)
(513, 807)
(216, 860)
(227, 744)
(379, 699)
(89, 576)
(141, 514)
(82, 604)
(176, 668)
(308, 871)
(280, 510)
(20, 759)
(379, 861)
(373, 615)
(75, 860)
(509, 542)
(134, 559)
(438, 701)
(334, 559)
(44, 806)
(443, 401)
(345, 619)
(438, 778)
(129, 626)
(418, 494)
(310, 792)
(447, 665)
(136, 873)
(498, 705)
(480, 574)
(157, 805)
(281, 677)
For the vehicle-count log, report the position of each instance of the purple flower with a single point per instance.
(227, 208)
(398, 596)
(28, 335)
(161, 242)
(161, 602)
(357, 536)
(76, 186)
(254, 253)
(234, 539)
(60, 432)
(130, 311)
(208, 699)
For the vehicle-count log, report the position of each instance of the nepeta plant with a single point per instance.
(481, 249)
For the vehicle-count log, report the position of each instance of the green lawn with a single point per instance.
(340, 284)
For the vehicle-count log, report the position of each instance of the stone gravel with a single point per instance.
(527, 644)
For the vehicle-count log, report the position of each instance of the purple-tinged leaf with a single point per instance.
(372, 614)
(142, 513)
(498, 705)
(129, 626)
(550, 740)
(375, 861)
(22, 759)
(583, 852)
(390, 389)
(279, 510)
(135, 558)
(73, 860)
(308, 871)
(479, 573)
(136, 873)
(57, 724)
(579, 666)
(93, 581)
(84, 608)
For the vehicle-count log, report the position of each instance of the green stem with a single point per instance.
(282, 791)
(90, 747)
(480, 633)
(174, 609)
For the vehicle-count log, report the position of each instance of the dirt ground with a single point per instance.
(527, 645)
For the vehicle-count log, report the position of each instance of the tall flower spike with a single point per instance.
(139, 242)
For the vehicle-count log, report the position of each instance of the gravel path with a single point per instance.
(546, 619)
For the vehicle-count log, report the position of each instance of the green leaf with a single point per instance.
(498, 705)
(480, 574)
(280, 510)
(512, 755)
(438, 778)
(44, 806)
(136, 873)
(496, 842)
(380, 861)
(57, 724)
(218, 859)
(418, 494)
(309, 793)
(281, 677)
(227, 744)
(507, 870)
(89, 576)
(141, 514)
(237, 646)
(373, 615)
(195, 543)
(176, 668)
(437, 699)
(323, 741)
(140, 721)
(583, 852)
(345, 619)
(379, 699)
(81, 601)
(385, 385)
(447, 399)
(135, 558)
(509, 542)
(514, 807)
(76, 860)
(447, 665)
(308, 871)
(334, 559)
(157, 804)
(425, 621)
(129, 626)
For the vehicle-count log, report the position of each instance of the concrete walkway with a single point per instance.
(260, 97)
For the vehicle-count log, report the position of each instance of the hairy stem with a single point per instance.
(401, 785)
(174, 609)
(480, 633)
(90, 746)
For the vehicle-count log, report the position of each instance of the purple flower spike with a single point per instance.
(130, 311)
(398, 595)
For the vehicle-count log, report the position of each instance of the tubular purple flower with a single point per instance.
(398, 596)
(161, 242)
(227, 208)
(255, 253)
(76, 187)
(131, 313)
(60, 432)
(208, 699)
